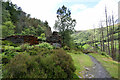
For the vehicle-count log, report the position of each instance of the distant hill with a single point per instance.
(84, 36)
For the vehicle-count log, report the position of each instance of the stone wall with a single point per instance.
(22, 39)
(54, 39)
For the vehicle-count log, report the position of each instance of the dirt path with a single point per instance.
(97, 71)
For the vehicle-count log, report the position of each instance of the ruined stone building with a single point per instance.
(22, 39)
(54, 39)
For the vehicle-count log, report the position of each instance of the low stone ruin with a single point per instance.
(54, 39)
(22, 39)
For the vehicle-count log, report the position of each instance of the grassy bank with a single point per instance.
(80, 61)
(110, 65)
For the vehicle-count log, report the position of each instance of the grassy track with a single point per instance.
(81, 61)
(110, 65)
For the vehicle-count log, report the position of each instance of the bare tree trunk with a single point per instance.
(101, 46)
(94, 39)
(102, 37)
(110, 31)
(111, 42)
(106, 48)
(112, 50)
(107, 30)
(115, 50)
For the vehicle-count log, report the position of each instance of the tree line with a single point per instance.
(16, 22)
(111, 46)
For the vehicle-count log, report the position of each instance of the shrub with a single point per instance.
(66, 48)
(65, 61)
(34, 50)
(24, 46)
(6, 56)
(50, 68)
(5, 42)
(45, 45)
(42, 37)
(17, 67)
(8, 52)
(7, 47)
(56, 65)
(5, 60)
(18, 49)
(105, 54)
(87, 46)
(81, 47)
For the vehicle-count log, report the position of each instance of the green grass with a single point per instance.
(81, 61)
(110, 65)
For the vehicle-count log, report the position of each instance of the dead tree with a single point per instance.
(100, 40)
(102, 37)
(112, 40)
(107, 29)
(101, 46)
(110, 30)
(94, 38)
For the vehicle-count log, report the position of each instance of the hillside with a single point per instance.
(17, 22)
(92, 39)
(88, 35)
(30, 50)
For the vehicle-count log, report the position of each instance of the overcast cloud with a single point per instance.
(85, 16)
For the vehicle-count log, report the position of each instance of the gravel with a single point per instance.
(96, 71)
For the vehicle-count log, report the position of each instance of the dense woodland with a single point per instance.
(17, 22)
(44, 60)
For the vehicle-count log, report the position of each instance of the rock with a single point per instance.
(87, 69)
(91, 75)
(79, 76)
(94, 67)
(86, 75)
(57, 45)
